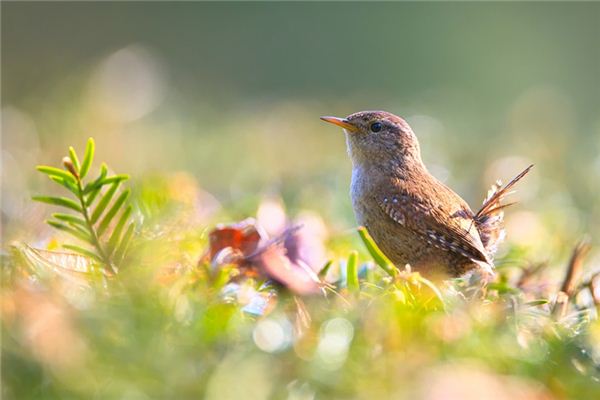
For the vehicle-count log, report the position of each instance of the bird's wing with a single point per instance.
(449, 227)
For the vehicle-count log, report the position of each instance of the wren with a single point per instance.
(414, 218)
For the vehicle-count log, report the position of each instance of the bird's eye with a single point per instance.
(376, 126)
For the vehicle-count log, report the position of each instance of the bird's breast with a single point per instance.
(363, 192)
(359, 194)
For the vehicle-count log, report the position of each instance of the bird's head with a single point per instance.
(378, 136)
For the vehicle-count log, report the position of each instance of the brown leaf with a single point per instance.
(71, 267)
(243, 236)
(243, 244)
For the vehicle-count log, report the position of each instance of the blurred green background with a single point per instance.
(231, 93)
(213, 108)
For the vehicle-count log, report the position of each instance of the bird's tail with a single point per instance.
(490, 218)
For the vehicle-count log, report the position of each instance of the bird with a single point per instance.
(414, 218)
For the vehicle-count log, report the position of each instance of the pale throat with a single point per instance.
(391, 161)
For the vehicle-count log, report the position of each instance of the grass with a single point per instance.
(196, 310)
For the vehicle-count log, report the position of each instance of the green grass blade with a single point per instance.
(104, 202)
(433, 288)
(352, 272)
(58, 201)
(56, 172)
(120, 252)
(83, 251)
(71, 230)
(72, 219)
(116, 234)
(376, 253)
(535, 303)
(88, 158)
(112, 212)
(325, 269)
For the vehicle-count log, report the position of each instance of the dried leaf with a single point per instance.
(243, 236)
(240, 244)
(73, 267)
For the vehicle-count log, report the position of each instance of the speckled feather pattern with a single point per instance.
(428, 227)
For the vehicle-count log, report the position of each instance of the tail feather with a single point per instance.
(490, 218)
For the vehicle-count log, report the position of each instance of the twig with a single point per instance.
(560, 305)
(575, 267)
(530, 272)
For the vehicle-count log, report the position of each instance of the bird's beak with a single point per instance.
(341, 122)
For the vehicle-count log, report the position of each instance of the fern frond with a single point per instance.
(116, 234)
(107, 245)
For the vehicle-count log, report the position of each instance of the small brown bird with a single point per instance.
(414, 218)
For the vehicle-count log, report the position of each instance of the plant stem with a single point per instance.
(94, 235)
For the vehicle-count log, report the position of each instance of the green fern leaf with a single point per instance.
(82, 251)
(87, 158)
(96, 183)
(70, 218)
(92, 196)
(112, 212)
(106, 181)
(56, 172)
(120, 252)
(72, 230)
(67, 184)
(74, 159)
(59, 201)
(114, 178)
(116, 234)
(104, 202)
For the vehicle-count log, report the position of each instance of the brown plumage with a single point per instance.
(414, 218)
